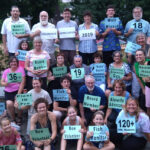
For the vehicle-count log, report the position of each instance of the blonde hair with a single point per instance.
(138, 110)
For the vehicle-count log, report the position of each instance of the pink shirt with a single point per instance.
(31, 56)
(11, 87)
(13, 139)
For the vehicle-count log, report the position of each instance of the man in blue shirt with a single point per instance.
(110, 34)
(90, 89)
(136, 25)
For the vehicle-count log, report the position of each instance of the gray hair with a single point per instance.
(116, 52)
(137, 7)
(139, 35)
(37, 38)
(77, 56)
(89, 77)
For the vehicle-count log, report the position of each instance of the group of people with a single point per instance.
(70, 89)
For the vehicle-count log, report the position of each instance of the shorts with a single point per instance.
(99, 145)
(10, 95)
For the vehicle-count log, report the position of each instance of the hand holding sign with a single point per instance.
(72, 132)
(14, 77)
(126, 125)
(77, 73)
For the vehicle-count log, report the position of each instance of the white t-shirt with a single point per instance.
(48, 44)
(35, 96)
(12, 41)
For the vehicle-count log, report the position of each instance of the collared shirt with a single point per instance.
(111, 41)
(96, 92)
(139, 26)
(47, 44)
(67, 43)
(12, 41)
(88, 46)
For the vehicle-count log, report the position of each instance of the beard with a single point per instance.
(137, 18)
(90, 89)
(43, 23)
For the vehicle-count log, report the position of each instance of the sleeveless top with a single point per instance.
(48, 125)
(77, 121)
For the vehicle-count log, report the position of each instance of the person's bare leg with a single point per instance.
(63, 144)
(87, 146)
(11, 109)
(108, 146)
(80, 143)
(47, 147)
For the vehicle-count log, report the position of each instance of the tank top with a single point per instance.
(48, 125)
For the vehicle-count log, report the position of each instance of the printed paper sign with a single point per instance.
(22, 55)
(2, 107)
(91, 101)
(116, 102)
(99, 133)
(8, 147)
(18, 29)
(88, 34)
(112, 22)
(60, 95)
(67, 32)
(24, 99)
(40, 64)
(14, 77)
(137, 26)
(132, 47)
(72, 132)
(144, 70)
(126, 125)
(59, 71)
(77, 73)
(98, 68)
(99, 77)
(49, 34)
(116, 73)
(40, 134)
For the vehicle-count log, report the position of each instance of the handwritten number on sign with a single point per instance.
(13, 76)
(78, 72)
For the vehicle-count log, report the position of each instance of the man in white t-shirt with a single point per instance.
(14, 30)
(44, 28)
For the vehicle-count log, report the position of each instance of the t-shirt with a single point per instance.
(138, 26)
(96, 92)
(35, 96)
(142, 124)
(67, 43)
(31, 56)
(11, 87)
(12, 41)
(13, 139)
(47, 44)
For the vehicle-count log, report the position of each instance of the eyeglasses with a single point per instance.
(36, 78)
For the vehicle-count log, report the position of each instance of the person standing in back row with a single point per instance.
(67, 44)
(110, 28)
(14, 30)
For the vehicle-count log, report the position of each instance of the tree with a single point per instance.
(98, 8)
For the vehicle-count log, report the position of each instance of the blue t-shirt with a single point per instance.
(138, 26)
(111, 41)
(96, 92)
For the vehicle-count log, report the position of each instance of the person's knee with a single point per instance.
(9, 104)
(23, 147)
(86, 146)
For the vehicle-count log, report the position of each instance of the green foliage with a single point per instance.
(98, 8)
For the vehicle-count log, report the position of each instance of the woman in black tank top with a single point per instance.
(43, 119)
